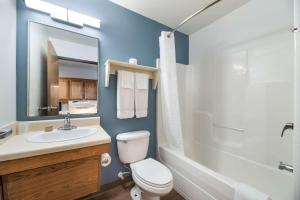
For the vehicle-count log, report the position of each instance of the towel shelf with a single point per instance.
(112, 66)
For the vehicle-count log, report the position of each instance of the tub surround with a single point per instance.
(37, 166)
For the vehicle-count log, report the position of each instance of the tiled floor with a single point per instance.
(121, 192)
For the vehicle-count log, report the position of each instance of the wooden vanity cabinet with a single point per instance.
(64, 175)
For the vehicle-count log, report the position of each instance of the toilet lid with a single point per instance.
(152, 172)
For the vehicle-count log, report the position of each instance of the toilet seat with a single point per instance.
(152, 176)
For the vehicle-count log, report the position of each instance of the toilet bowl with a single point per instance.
(152, 179)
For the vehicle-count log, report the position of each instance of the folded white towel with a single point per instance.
(141, 95)
(246, 192)
(125, 95)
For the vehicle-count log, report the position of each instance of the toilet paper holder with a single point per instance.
(105, 159)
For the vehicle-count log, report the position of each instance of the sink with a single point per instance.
(60, 135)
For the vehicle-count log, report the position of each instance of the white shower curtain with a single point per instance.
(169, 98)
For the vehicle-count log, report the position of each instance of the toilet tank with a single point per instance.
(133, 146)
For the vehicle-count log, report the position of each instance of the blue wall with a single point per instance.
(123, 35)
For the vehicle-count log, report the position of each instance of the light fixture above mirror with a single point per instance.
(63, 14)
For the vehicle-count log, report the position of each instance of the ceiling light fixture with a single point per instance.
(63, 14)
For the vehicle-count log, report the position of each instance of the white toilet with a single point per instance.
(152, 179)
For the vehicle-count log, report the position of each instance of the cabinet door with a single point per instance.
(90, 87)
(63, 89)
(76, 89)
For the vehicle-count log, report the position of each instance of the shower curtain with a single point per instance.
(171, 120)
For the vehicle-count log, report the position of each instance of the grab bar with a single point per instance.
(5, 133)
(225, 127)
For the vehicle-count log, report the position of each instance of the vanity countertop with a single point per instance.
(17, 146)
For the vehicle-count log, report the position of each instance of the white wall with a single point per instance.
(72, 69)
(8, 61)
(75, 50)
(240, 86)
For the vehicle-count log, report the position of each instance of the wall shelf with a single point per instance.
(112, 66)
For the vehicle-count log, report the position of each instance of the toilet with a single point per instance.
(152, 179)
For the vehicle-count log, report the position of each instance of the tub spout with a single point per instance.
(286, 127)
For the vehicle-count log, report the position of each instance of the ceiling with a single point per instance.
(172, 12)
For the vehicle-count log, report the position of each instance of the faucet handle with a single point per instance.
(286, 127)
(287, 167)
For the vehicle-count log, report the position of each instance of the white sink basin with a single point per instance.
(59, 135)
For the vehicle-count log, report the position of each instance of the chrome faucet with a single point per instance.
(67, 124)
(283, 166)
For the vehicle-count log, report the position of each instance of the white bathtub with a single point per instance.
(196, 181)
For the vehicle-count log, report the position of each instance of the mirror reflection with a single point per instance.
(62, 72)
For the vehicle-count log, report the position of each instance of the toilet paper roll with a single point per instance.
(105, 160)
(133, 61)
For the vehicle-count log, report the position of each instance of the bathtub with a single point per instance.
(195, 181)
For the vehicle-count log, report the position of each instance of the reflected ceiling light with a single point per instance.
(63, 14)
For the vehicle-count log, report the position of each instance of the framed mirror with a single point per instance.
(63, 69)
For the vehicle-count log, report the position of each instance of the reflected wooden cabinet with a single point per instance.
(90, 88)
(63, 89)
(77, 89)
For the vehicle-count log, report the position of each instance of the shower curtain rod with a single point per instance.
(193, 15)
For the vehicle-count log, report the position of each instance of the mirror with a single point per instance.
(62, 72)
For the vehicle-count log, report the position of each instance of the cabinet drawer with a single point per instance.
(64, 181)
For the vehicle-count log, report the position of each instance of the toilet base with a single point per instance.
(137, 194)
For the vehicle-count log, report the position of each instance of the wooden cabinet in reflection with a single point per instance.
(90, 88)
(63, 89)
(77, 89)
